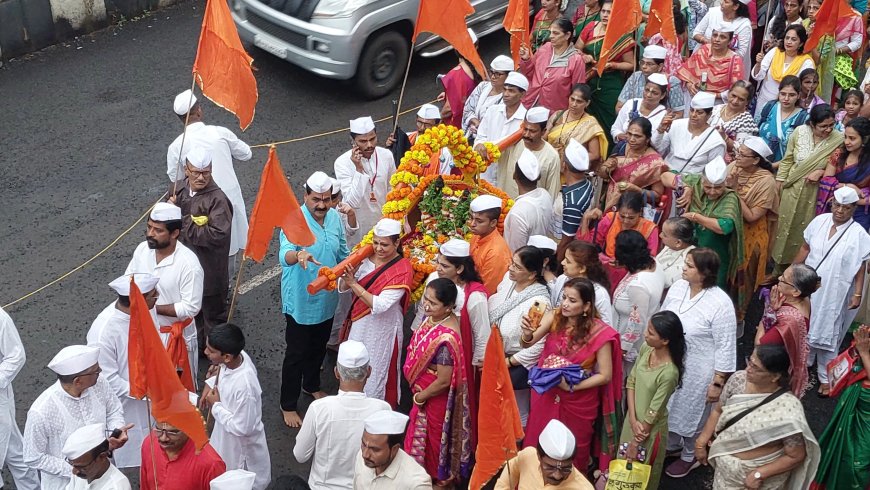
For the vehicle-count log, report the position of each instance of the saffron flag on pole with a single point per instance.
(222, 66)
(661, 21)
(499, 427)
(826, 21)
(624, 20)
(152, 374)
(446, 18)
(516, 22)
(276, 206)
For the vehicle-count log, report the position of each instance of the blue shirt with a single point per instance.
(330, 248)
(576, 199)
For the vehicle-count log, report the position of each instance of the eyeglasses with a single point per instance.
(166, 432)
(782, 280)
(95, 373)
(82, 466)
(197, 173)
(561, 468)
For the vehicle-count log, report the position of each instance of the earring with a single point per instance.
(585, 314)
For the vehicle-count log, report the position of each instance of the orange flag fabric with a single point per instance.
(152, 374)
(661, 21)
(826, 21)
(276, 206)
(222, 66)
(446, 18)
(625, 18)
(500, 429)
(516, 22)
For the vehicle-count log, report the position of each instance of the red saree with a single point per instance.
(583, 410)
(721, 72)
(399, 275)
(467, 335)
(438, 435)
(643, 172)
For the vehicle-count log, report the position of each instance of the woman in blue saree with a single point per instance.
(779, 118)
(849, 166)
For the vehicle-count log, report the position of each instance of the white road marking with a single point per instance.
(259, 279)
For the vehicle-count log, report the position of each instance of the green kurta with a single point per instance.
(652, 390)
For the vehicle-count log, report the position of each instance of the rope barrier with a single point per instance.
(148, 211)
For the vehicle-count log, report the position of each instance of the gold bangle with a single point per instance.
(414, 398)
(523, 338)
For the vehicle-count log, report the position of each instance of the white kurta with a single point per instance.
(54, 416)
(510, 326)
(112, 479)
(357, 188)
(238, 436)
(224, 146)
(602, 298)
(769, 87)
(830, 304)
(113, 342)
(671, 263)
(495, 126)
(635, 299)
(710, 326)
(678, 146)
(623, 119)
(380, 331)
(181, 279)
(531, 214)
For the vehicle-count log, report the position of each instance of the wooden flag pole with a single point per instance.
(184, 134)
(402, 91)
(153, 460)
(236, 289)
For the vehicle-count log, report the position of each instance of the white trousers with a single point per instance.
(822, 358)
(25, 478)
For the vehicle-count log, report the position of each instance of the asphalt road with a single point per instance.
(83, 138)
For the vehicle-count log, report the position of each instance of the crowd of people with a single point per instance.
(653, 203)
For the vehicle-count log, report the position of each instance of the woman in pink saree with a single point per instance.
(439, 432)
(576, 336)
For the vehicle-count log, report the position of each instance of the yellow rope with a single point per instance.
(144, 215)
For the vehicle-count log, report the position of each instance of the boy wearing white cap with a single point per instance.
(688, 144)
(181, 282)
(575, 198)
(838, 248)
(308, 317)
(224, 147)
(486, 94)
(548, 157)
(428, 116)
(87, 452)
(652, 61)
(532, 212)
(382, 464)
(332, 423)
(490, 251)
(234, 480)
(549, 465)
(80, 397)
(364, 172)
(500, 121)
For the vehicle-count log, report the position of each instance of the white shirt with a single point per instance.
(403, 474)
(531, 214)
(357, 188)
(54, 416)
(330, 432)
(238, 435)
(769, 89)
(623, 119)
(12, 359)
(495, 126)
(224, 146)
(112, 479)
(678, 146)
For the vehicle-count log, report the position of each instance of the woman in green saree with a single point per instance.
(800, 170)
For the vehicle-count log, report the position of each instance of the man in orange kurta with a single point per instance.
(489, 250)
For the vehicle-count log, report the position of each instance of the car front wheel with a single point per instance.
(382, 64)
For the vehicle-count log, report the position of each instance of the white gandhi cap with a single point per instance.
(502, 63)
(429, 111)
(234, 480)
(654, 52)
(144, 281)
(528, 165)
(74, 359)
(352, 354)
(537, 115)
(199, 157)
(716, 171)
(183, 102)
(388, 227)
(557, 441)
(658, 79)
(336, 186)
(455, 247)
(703, 100)
(362, 125)
(484, 202)
(319, 182)
(846, 195)
(386, 422)
(542, 242)
(518, 80)
(577, 156)
(724, 27)
(165, 211)
(83, 440)
(759, 146)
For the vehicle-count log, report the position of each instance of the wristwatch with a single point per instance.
(757, 475)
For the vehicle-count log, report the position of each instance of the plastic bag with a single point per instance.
(627, 476)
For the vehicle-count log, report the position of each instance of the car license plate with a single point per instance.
(268, 45)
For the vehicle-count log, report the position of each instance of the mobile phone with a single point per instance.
(115, 434)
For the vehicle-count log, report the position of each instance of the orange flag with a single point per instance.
(152, 374)
(223, 67)
(624, 20)
(826, 21)
(661, 20)
(446, 18)
(276, 206)
(516, 22)
(500, 429)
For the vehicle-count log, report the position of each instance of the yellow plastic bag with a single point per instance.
(199, 220)
(627, 476)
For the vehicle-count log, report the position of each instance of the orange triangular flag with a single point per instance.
(276, 206)
(446, 18)
(222, 66)
(516, 22)
(152, 374)
(500, 429)
(826, 21)
(624, 20)
(661, 21)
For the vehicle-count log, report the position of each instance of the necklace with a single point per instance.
(685, 295)
(564, 142)
(433, 321)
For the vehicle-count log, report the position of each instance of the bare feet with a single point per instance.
(292, 419)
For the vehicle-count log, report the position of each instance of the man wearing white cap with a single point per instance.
(652, 61)
(87, 452)
(80, 397)
(364, 172)
(181, 283)
(500, 121)
(486, 94)
(838, 248)
(224, 146)
(206, 222)
(547, 465)
(575, 198)
(688, 144)
(428, 117)
(308, 317)
(490, 251)
(12, 359)
(532, 213)
(548, 157)
(382, 464)
(334, 422)
(234, 480)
